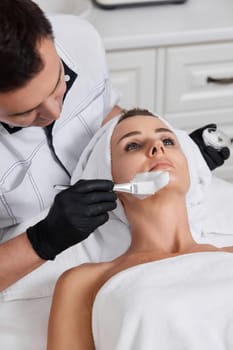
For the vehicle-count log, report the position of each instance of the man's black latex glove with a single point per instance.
(76, 212)
(214, 158)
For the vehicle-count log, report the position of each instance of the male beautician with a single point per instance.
(54, 94)
(40, 143)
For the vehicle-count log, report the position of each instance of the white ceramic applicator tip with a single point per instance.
(144, 184)
(147, 184)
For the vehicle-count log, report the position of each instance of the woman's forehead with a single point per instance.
(138, 123)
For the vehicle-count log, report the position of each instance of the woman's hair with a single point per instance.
(134, 112)
(22, 26)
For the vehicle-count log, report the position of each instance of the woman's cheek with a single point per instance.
(122, 172)
(125, 171)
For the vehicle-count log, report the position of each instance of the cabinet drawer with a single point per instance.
(190, 76)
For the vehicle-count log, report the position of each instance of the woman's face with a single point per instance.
(145, 144)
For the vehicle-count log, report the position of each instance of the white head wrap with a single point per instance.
(95, 163)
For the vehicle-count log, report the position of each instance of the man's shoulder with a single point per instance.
(73, 30)
(79, 44)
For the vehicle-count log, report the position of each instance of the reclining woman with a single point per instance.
(165, 291)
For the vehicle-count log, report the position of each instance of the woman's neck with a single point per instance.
(160, 226)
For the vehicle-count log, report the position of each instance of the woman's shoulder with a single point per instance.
(86, 278)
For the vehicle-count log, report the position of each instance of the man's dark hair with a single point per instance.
(135, 112)
(22, 26)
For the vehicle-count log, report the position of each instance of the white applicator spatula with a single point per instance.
(144, 184)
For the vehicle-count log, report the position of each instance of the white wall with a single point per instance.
(78, 7)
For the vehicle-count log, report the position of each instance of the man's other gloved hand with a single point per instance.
(75, 213)
(214, 158)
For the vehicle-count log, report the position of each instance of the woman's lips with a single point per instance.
(161, 165)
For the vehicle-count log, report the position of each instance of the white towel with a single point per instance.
(179, 303)
(218, 221)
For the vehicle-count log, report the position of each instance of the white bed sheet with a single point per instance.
(23, 324)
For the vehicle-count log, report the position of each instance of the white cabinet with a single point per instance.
(199, 77)
(176, 60)
(199, 89)
(133, 74)
(190, 85)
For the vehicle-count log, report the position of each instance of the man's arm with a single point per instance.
(74, 215)
(113, 113)
(17, 259)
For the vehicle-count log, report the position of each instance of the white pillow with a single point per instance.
(218, 223)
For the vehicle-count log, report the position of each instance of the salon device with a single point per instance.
(216, 138)
(108, 4)
(142, 185)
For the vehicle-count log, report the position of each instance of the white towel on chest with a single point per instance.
(179, 303)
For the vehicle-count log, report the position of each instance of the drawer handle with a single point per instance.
(221, 81)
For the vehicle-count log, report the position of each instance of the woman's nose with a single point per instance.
(156, 149)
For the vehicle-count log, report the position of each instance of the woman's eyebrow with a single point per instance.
(133, 133)
(129, 134)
